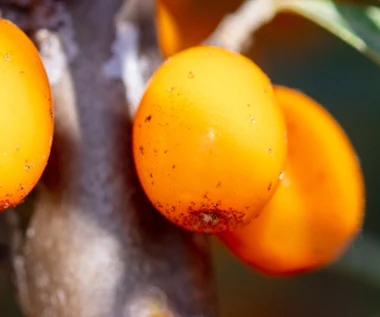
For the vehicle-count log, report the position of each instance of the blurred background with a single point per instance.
(299, 54)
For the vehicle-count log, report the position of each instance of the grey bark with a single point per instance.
(94, 246)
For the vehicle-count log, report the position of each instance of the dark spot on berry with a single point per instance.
(148, 118)
(218, 185)
(209, 219)
(269, 186)
(158, 204)
(217, 204)
(4, 204)
(173, 167)
(141, 149)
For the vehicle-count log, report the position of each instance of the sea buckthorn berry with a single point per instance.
(26, 115)
(318, 207)
(182, 24)
(209, 139)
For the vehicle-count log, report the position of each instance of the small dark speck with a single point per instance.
(148, 118)
(248, 104)
(191, 75)
(217, 204)
(155, 151)
(51, 113)
(218, 185)
(7, 57)
(269, 150)
(27, 167)
(151, 175)
(21, 186)
(22, 72)
(141, 149)
(166, 151)
(270, 186)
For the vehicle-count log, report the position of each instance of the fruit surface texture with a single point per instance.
(26, 115)
(209, 140)
(318, 207)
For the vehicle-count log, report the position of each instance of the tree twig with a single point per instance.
(95, 246)
(235, 30)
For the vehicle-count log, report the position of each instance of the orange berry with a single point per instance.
(26, 115)
(318, 207)
(209, 139)
(182, 24)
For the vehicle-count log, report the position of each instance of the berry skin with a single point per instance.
(209, 140)
(26, 115)
(318, 208)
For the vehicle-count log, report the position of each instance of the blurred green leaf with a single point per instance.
(356, 24)
(361, 2)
